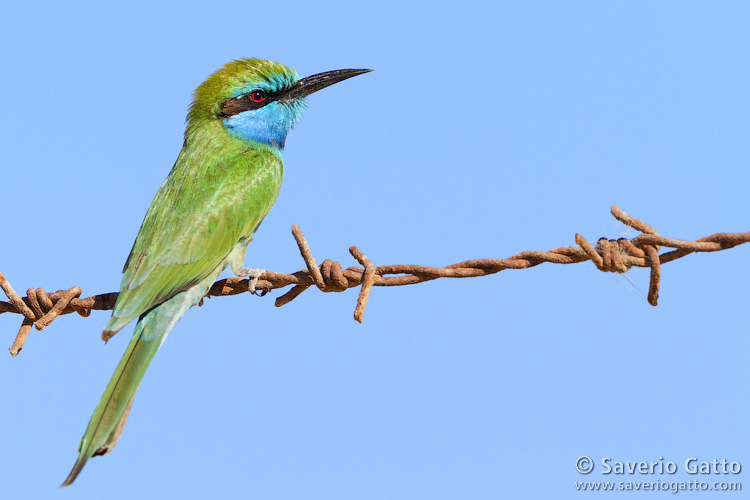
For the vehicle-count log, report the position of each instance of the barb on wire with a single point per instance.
(40, 308)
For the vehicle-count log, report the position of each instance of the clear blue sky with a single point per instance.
(487, 129)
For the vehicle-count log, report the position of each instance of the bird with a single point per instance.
(202, 218)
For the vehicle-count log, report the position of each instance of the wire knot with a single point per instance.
(39, 309)
(614, 255)
(330, 276)
(333, 279)
(618, 256)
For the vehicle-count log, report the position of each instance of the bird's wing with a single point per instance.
(197, 217)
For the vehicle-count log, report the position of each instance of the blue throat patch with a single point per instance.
(269, 124)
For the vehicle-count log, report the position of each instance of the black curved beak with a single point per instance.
(313, 83)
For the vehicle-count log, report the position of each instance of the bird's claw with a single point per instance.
(253, 274)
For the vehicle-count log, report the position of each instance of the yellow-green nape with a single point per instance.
(233, 78)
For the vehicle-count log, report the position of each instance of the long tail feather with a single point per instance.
(111, 413)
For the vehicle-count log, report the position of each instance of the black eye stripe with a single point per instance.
(236, 105)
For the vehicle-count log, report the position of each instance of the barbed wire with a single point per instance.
(40, 308)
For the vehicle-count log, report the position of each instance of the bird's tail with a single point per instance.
(111, 413)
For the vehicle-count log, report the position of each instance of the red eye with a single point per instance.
(257, 95)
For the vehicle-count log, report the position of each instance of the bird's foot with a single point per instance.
(253, 274)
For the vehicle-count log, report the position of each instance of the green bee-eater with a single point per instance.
(223, 184)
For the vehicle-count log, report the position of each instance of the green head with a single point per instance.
(258, 100)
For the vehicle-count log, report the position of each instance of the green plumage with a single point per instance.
(224, 182)
(199, 222)
(214, 198)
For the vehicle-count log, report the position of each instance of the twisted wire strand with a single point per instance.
(40, 308)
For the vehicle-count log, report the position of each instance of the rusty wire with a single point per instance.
(40, 308)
